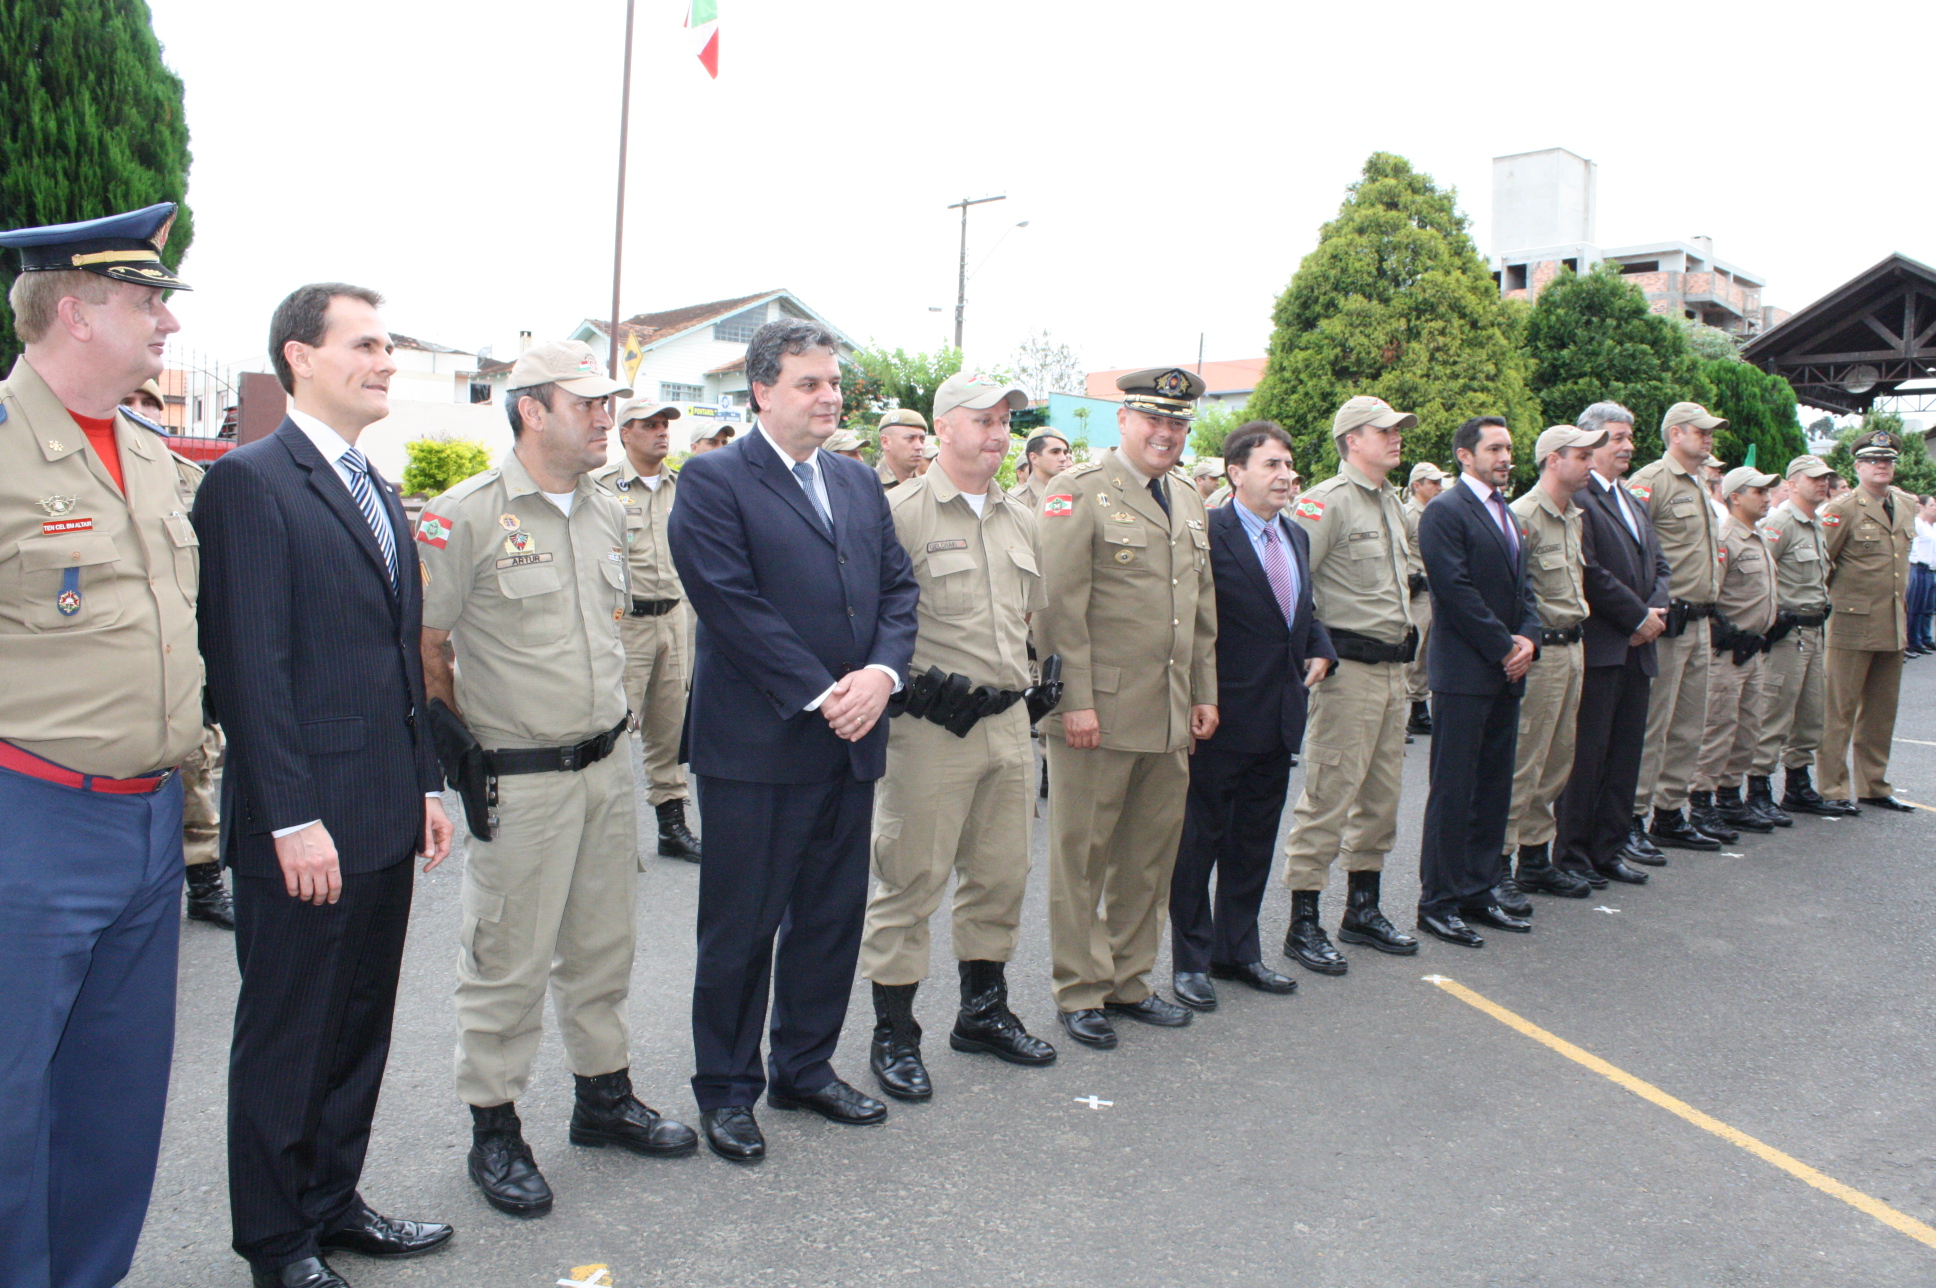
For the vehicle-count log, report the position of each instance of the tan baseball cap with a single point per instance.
(153, 390)
(569, 364)
(1714, 462)
(845, 440)
(1207, 467)
(645, 409)
(1745, 476)
(977, 392)
(1366, 410)
(1558, 438)
(703, 428)
(1426, 472)
(905, 416)
(1813, 466)
(1690, 414)
(929, 452)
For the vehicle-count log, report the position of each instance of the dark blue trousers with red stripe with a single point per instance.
(90, 890)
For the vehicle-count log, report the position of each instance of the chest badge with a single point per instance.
(1125, 556)
(625, 485)
(1122, 516)
(509, 522)
(517, 543)
(59, 506)
(69, 599)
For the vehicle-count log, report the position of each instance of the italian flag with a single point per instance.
(702, 19)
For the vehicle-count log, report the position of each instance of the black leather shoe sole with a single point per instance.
(593, 1138)
(1271, 982)
(975, 1046)
(1888, 803)
(1543, 885)
(1366, 939)
(1101, 1042)
(347, 1241)
(1686, 840)
(830, 1114)
(1320, 965)
(508, 1206)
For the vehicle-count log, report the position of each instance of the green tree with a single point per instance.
(1710, 342)
(435, 465)
(94, 123)
(1591, 338)
(898, 378)
(1394, 302)
(1760, 410)
(1213, 425)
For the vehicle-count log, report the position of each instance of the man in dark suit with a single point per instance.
(805, 601)
(1626, 593)
(310, 610)
(1484, 624)
(1270, 649)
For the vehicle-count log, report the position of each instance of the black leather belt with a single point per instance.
(652, 607)
(1815, 619)
(1571, 635)
(1353, 647)
(1694, 612)
(556, 760)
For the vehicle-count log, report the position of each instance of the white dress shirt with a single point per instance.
(1621, 502)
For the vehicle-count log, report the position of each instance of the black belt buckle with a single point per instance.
(568, 758)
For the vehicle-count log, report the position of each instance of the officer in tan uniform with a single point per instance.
(1793, 684)
(103, 699)
(1354, 741)
(1132, 612)
(1689, 533)
(904, 433)
(1047, 455)
(525, 579)
(847, 443)
(955, 797)
(654, 629)
(1427, 481)
(1550, 709)
(1869, 528)
(1745, 615)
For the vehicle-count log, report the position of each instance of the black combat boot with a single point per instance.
(208, 898)
(1537, 874)
(1507, 892)
(1640, 847)
(896, 1054)
(501, 1163)
(1421, 721)
(607, 1113)
(1736, 812)
(1761, 799)
(1306, 943)
(676, 841)
(1670, 828)
(1707, 820)
(985, 1022)
(1798, 794)
(1363, 922)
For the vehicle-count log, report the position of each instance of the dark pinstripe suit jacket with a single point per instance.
(313, 660)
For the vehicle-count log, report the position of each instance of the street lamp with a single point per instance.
(961, 280)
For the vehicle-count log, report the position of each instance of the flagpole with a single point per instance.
(618, 231)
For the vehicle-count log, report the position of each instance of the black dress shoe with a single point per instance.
(733, 1134)
(1491, 914)
(1256, 974)
(607, 1113)
(1509, 896)
(1618, 871)
(374, 1235)
(895, 1054)
(837, 1102)
(1888, 803)
(1451, 928)
(1670, 828)
(1089, 1027)
(1152, 1010)
(1554, 881)
(1651, 856)
(1193, 989)
(501, 1164)
(1594, 881)
(310, 1272)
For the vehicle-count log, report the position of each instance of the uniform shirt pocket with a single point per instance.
(539, 592)
(1028, 578)
(188, 560)
(948, 583)
(1124, 546)
(67, 583)
(1365, 562)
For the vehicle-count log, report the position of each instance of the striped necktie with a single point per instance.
(364, 493)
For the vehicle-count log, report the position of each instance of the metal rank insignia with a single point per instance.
(623, 484)
(517, 543)
(1193, 523)
(509, 522)
(1172, 384)
(59, 506)
(1122, 516)
(1125, 556)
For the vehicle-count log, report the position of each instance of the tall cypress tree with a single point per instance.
(93, 125)
(1394, 302)
(1760, 411)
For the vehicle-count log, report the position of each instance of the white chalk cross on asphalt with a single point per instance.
(1094, 1103)
(1607, 910)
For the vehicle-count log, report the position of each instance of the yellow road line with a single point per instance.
(1919, 805)
(1801, 1171)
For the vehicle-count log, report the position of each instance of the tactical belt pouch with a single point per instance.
(1044, 696)
(1571, 635)
(1354, 647)
(465, 770)
(652, 607)
(546, 760)
(954, 701)
(1416, 581)
(1680, 613)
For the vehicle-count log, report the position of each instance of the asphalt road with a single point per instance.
(1371, 1130)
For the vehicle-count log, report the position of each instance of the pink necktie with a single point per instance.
(1277, 570)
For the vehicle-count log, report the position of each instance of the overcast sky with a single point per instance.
(1174, 161)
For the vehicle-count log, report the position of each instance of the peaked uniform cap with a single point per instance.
(126, 247)
(1162, 391)
(1877, 445)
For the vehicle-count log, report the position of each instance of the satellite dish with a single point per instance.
(1860, 380)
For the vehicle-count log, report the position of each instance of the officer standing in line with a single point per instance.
(1550, 708)
(1047, 455)
(103, 700)
(955, 797)
(525, 579)
(1354, 741)
(1427, 481)
(1745, 614)
(1793, 683)
(1684, 520)
(847, 443)
(1869, 531)
(904, 433)
(1132, 611)
(654, 629)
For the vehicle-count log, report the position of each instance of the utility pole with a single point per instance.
(961, 283)
(618, 233)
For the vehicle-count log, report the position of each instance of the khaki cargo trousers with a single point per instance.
(1793, 696)
(201, 816)
(1860, 718)
(655, 693)
(1733, 710)
(1676, 719)
(1549, 716)
(1354, 761)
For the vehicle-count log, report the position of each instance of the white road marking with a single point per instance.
(1605, 909)
(1094, 1103)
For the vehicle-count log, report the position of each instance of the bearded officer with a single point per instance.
(1793, 685)
(103, 700)
(1870, 528)
(1132, 612)
(955, 797)
(1354, 743)
(1745, 614)
(1427, 481)
(525, 582)
(654, 629)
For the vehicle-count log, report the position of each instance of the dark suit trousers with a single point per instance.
(1229, 829)
(786, 860)
(1473, 739)
(312, 1034)
(1596, 808)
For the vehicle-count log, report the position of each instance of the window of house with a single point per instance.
(1515, 277)
(480, 392)
(670, 392)
(1641, 266)
(739, 328)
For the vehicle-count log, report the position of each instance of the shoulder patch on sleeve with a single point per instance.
(1831, 520)
(1309, 507)
(1059, 506)
(1641, 490)
(433, 530)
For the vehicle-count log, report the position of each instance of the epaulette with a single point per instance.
(144, 422)
(460, 490)
(1326, 485)
(1087, 467)
(195, 468)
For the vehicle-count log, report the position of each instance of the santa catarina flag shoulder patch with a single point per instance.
(1309, 507)
(1060, 506)
(433, 530)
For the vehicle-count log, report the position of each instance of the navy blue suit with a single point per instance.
(1239, 776)
(316, 676)
(1481, 598)
(785, 610)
